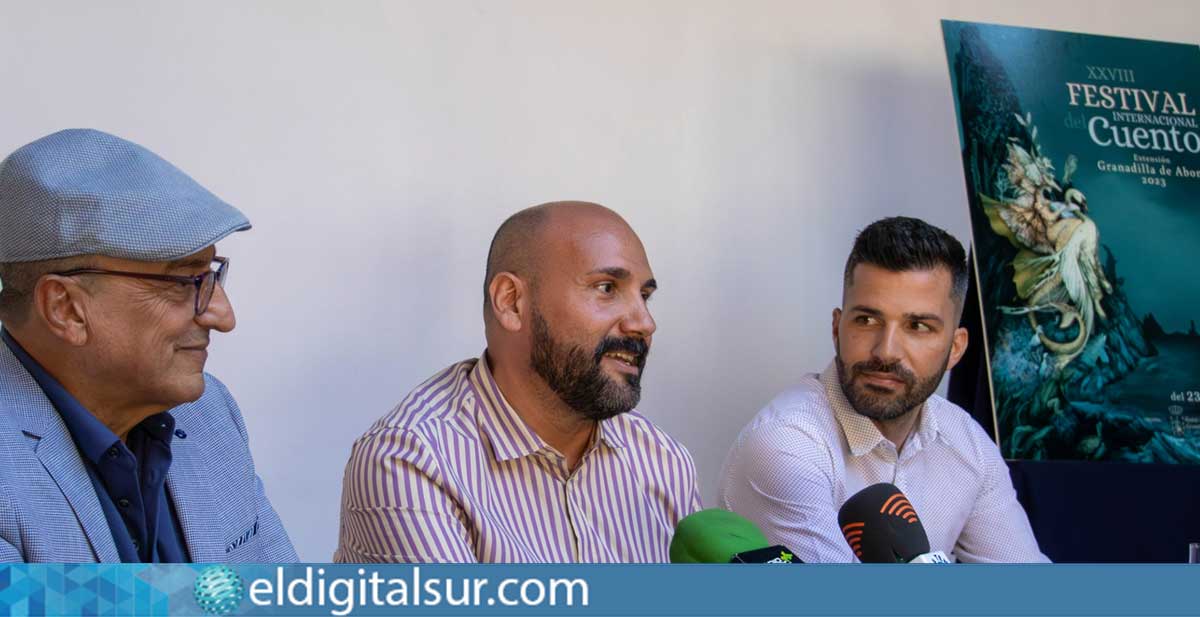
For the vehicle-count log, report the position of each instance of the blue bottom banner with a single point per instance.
(625, 590)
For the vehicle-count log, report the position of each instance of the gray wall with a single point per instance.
(377, 145)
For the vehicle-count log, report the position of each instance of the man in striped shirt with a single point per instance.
(532, 452)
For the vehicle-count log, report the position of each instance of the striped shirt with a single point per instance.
(453, 474)
(808, 451)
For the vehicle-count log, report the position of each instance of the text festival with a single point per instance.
(1166, 112)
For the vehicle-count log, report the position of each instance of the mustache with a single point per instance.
(636, 346)
(894, 368)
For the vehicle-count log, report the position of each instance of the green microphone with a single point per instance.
(720, 536)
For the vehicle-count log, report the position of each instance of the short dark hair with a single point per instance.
(902, 243)
(17, 280)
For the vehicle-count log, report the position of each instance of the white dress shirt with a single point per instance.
(808, 451)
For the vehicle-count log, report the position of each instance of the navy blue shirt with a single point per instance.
(130, 478)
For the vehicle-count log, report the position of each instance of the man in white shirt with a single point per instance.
(872, 416)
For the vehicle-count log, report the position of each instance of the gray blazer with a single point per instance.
(49, 511)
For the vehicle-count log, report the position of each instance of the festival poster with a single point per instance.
(1082, 163)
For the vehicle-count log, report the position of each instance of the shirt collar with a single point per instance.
(927, 426)
(610, 435)
(90, 435)
(511, 437)
(861, 433)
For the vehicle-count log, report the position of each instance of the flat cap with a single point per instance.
(85, 192)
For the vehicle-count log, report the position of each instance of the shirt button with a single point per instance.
(112, 452)
(137, 546)
(124, 503)
(180, 434)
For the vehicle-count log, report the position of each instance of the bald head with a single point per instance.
(565, 310)
(520, 243)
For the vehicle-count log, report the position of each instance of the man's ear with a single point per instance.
(60, 303)
(837, 320)
(958, 347)
(508, 300)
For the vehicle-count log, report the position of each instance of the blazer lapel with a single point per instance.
(60, 457)
(52, 443)
(198, 512)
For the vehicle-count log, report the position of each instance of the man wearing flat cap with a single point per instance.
(115, 445)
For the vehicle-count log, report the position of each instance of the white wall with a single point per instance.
(377, 145)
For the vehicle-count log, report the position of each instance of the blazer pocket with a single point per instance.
(244, 538)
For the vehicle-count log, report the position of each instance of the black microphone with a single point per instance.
(721, 536)
(881, 526)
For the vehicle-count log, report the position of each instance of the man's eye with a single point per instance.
(605, 287)
(646, 295)
(921, 326)
(864, 320)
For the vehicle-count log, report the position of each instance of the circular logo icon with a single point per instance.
(219, 590)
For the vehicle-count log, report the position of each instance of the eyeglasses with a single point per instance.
(205, 283)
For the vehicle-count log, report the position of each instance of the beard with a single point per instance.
(876, 404)
(577, 378)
